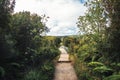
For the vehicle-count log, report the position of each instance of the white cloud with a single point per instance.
(63, 13)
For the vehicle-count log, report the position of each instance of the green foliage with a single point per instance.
(102, 69)
(93, 21)
(33, 75)
(44, 73)
(48, 53)
(22, 47)
(82, 71)
(71, 42)
(48, 70)
(2, 72)
(113, 32)
(47, 67)
(99, 70)
(27, 28)
(95, 64)
(116, 67)
(15, 65)
(113, 77)
(87, 49)
(106, 48)
(6, 8)
(53, 41)
(6, 44)
(85, 76)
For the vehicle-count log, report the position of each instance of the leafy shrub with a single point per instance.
(115, 66)
(15, 65)
(2, 71)
(99, 70)
(113, 77)
(47, 67)
(118, 64)
(44, 73)
(47, 53)
(95, 64)
(82, 71)
(33, 75)
(85, 76)
(48, 70)
(41, 56)
(103, 70)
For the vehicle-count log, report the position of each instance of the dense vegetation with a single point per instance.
(24, 53)
(97, 48)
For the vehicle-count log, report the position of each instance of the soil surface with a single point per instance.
(64, 70)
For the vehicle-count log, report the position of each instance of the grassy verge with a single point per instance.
(72, 58)
(80, 68)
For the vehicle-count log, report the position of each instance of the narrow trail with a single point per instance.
(64, 70)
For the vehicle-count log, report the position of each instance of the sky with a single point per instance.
(63, 14)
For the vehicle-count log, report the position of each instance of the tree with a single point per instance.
(27, 30)
(113, 31)
(7, 51)
(6, 8)
(94, 20)
(94, 23)
(21, 45)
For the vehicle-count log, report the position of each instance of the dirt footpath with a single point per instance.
(64, 58)
(64, 70)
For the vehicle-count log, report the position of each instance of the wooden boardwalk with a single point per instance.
(64, 70)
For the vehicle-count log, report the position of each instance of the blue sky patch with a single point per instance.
(63, 17)
(82, 1)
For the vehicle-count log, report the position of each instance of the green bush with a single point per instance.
(47, 67)
(43, 68)
(85, 76)
(15, 65)
(44, 72)
(113, 77)
(115, 66)
(48, 70)
(99, 70)
(33, 75)
(102, 71)
(48, 53)
(95, 64)
(2, 71)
